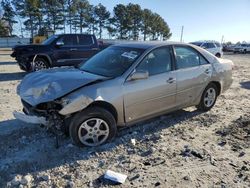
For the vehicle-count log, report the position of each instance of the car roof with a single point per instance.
(74, 34)
(147, 44)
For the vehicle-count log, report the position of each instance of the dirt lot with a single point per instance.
(183, 149)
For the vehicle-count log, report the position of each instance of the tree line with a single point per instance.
(42, 16)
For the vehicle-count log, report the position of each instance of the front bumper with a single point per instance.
(30, 119)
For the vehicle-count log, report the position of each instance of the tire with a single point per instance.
(218, 55)
(39, 64)
(92, 127)
(204, 104)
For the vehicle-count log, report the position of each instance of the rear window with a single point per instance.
(85, 40)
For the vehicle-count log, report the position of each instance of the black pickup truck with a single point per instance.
(57, 50)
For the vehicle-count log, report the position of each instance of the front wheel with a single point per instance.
(39, 64)
(92, 127)
(208, 97)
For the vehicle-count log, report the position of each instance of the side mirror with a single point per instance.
(138, 75)
(59, 43)
(204, 47)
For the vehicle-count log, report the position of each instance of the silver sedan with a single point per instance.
(121, 85)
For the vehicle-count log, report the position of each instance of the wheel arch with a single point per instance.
(44, 56)
(218, 54)
(218, 85)
(106, 106)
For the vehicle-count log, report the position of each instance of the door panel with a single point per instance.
(85, 49)
(149, 96)
(155, 94)
(63, 53)
(193, 74)
(191, 82)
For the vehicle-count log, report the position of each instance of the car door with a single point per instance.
(86, 48)
(63, 52)
(212, 48)
(155, 94)
(193, 74)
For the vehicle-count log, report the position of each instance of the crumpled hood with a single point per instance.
(48, 85)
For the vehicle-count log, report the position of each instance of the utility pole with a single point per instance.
(182, 28)
(222, 39)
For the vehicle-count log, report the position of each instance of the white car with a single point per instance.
(243, 48)
(213, 47)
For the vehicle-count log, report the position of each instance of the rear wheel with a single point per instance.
(92, 127)
(208, 97)
(39, 64)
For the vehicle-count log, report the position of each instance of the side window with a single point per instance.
(85, 40)
(69, 40)
(218, 44)
(203, 61)
(186, 57)
(156, 62)
(204, 45)
(210, 45)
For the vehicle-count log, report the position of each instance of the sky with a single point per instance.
(202, 19)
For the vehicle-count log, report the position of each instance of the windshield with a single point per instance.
(50, 39)
(112, 61)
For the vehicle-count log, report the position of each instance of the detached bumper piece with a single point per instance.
(30, 119)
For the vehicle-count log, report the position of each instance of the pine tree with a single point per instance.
(30, 11)
(135, 19)
(53, 9)
(121, 21)
(8, 15)
(3, 29)
(102, 16)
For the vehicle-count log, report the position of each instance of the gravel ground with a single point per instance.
(183, 149)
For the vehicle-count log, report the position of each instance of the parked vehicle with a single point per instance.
(121, 85)
(212, 46)
(242, 48)
(228, 48)
(58, 50)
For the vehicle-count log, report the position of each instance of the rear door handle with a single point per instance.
(171, 80)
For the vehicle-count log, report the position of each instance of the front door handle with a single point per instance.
(207, 71)
(73, 49)
(171, 80)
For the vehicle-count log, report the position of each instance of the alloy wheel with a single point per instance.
(93, 132)
(39, 65)
(210, 97)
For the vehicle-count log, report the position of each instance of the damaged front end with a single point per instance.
(44, 96)
(56, 115)
(46, 114)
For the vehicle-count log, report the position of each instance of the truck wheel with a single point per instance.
(39, 64)
(208, 97)
(92, 127)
